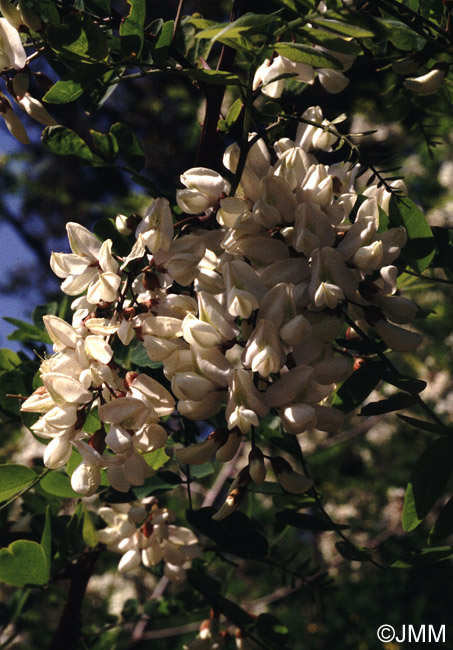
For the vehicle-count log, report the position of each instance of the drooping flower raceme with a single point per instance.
(241, 318)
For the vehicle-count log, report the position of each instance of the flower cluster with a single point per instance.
(144, 533)
(242, 315)
(13, 58)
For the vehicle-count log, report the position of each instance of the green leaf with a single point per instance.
(129, 146)
(157, 458)
(306, 522)
(13, 479)
(236, 534)
(444, 524)
(162, 482)
(132, 28)
(232, 116)
(307, 54)
(78, 38)
(89, 533)
(216, 77)
(92, 421)
(431, 427)
(268, 487)
(395, 402)
(341, 27)
(139, 357)
(11, 384)
(248, 24)
(58, 485)
(74, 84)
(358, 386)
(160, 49)
(408, 384)
(47, 10)
(41, 310)
(427, 482)
(401, 36)
(200, 471)
(27, 331)
(23, 563)
(64, 142)
(9, 360)
(351, 552)
(423, 557)
(46, 541)
(106, 145)
(106, 229)
(73, 462)
(420, 247)
(328, 40)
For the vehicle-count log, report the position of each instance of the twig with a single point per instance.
(177, 18)
(426, 277)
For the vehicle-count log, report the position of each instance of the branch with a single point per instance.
(68, 632)
(207, 148)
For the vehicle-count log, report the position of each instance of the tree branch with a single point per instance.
(68, 631)
(207, 154)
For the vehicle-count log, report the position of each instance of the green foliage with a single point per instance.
(306, 54)
(74, 83)
(14, 479)
(358, 386)
(131, 28)
(58, 485)
(419, 249)
(236, 534)
(24, 563)
(427, 481)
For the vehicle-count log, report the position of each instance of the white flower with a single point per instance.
(156, 228)
(204, 189)
(90, 266)
(12, 53)
(13, 123)
(427, 83)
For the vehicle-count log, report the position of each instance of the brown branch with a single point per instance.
(209, 140)
(68, 631)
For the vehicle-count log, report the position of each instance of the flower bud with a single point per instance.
(36, 110)
(290, 480)
(257, 469)
(397, 338)
(198, 454)
(85, 479)
(130, 560)
(427, 83)
(122, 224)
(13, 123)
(57, 453)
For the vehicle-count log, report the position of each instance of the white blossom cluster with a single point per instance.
(242, 314)
(14, 58)
(144, 533)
